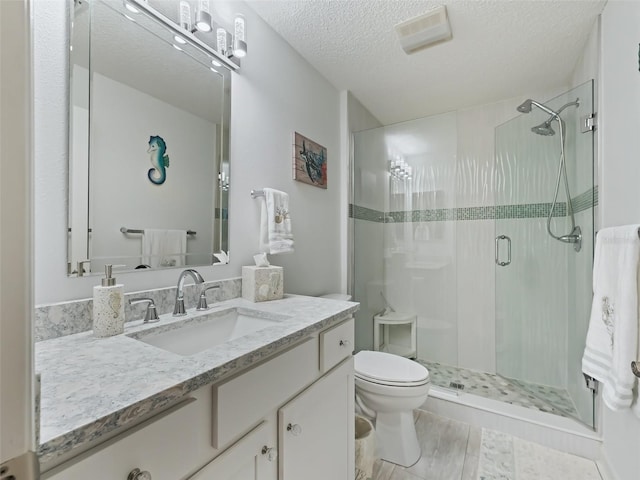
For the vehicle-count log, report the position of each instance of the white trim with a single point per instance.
(17, 434)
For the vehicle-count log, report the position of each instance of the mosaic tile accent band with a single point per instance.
(582, 202)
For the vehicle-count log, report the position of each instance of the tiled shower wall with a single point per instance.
(432, 252)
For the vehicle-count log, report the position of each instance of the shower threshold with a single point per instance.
(529, 395)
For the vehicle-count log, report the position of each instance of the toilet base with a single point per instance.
(397, 439)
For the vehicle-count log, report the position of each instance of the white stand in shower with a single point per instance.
(404, 344)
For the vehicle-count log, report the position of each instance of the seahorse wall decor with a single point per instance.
(159, 159)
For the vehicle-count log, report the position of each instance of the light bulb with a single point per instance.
(239, 28)
(184, 10)
(239, 36)
(221, 39)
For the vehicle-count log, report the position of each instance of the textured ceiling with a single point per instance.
(500, 49)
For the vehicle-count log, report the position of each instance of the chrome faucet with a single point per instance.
(178, 309)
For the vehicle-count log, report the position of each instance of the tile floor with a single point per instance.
(538, 397)
(453, 450)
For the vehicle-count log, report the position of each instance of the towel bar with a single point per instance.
(135, 230)
(257, 193)
(635, 368)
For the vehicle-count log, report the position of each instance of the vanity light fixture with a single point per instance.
(203, 16)
(239, 36)
(400, 169)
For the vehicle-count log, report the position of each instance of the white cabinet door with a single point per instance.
(253, 457)
(316, 429)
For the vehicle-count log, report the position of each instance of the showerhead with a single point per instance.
(544, 129)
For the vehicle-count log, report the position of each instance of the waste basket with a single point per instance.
(365, 448)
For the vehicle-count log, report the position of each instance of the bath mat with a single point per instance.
(504, 457)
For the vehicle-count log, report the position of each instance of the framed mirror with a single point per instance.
(148, 140)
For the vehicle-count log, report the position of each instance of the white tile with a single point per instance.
(475, 297)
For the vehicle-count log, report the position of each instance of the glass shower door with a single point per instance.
(543, 286)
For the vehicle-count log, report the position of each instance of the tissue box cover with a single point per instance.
(260, 284)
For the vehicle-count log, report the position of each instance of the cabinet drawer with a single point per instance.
(243, 401)
(167, 448)
(336, 344)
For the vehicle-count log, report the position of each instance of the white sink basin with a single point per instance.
(194, 335)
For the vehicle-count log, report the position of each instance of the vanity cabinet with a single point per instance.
(290, 417)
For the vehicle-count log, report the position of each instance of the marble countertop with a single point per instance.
(92, 386)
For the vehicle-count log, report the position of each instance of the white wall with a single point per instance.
(619, 192)
(121, 193)
(275, 93)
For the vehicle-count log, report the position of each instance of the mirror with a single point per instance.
(149, 141)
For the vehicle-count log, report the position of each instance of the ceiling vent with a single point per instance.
(425, 30)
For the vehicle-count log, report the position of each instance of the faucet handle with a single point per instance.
(202, 301)
(151, 314)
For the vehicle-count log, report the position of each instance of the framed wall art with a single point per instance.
(309, 161)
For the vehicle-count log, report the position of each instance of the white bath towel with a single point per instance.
(164, 248)
(276, 235)
(612, 339)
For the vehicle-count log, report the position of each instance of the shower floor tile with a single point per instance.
(529, 395)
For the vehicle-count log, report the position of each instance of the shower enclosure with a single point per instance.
(454, 221)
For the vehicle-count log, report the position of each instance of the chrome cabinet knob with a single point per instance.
(294, 428)
(270, 452)
(137, 474)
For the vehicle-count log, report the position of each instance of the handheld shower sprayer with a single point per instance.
(575, 236)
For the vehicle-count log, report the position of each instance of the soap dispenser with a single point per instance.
(108, 306)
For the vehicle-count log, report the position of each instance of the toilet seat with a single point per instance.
(388, 369)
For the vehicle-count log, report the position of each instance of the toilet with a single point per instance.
(388, 388)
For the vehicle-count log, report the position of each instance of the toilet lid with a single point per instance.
(384, 367)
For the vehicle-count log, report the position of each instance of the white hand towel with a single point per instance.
(612, 339)
(276, 235)
(164, 248)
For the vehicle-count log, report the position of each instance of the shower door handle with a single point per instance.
(498, 262)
